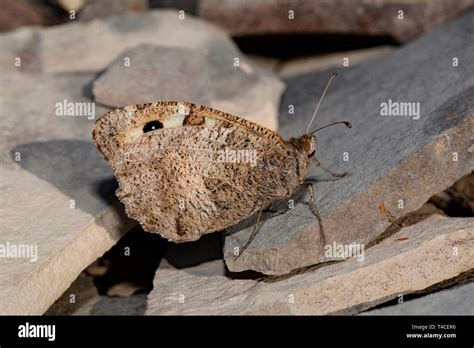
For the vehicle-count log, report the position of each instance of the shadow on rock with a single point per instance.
(75, 167)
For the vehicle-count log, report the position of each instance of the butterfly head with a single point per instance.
(307, 144)
(305, 148)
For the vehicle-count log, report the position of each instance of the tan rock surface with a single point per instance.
(57, 198)
(430, 252)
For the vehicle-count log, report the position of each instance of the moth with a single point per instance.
(185, 170)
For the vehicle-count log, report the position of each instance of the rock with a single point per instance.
(87, 301)
(80, 294)
(155, 73)
(269, 63)
(60, 50)
(246, 90)
(204, 76)
(57, 191)
(97, 269)
(346, 17)
(397, 163)
(103, 305)
(189, 6)
(455, 301)
(105, 8)
(457, 200)
(433, 251)
(299, 66)
(123, 290)
(20, 13)
(69, 5)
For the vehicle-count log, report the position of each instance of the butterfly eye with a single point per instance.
(151, 126)
(307, 146)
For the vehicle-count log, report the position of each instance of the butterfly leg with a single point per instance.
(312, 191)
(254, 231)
(257, 222)
(328, 170)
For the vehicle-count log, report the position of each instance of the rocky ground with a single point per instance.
(407, 207)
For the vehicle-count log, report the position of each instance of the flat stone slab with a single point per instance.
(218, 76)
(57, 204)
(350, 17)
(456, 301)
(397, 162)
(413, 259)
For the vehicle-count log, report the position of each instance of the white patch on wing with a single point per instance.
(210, 122)
(173, 121)
(176, 117)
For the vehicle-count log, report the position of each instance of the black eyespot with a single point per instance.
(151, 126)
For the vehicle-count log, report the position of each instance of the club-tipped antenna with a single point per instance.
(333, 76)
(347, 123)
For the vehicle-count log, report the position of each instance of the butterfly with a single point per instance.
(185, 170)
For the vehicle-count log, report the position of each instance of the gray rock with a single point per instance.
(390, 158)
(455, 301)
(351, 17)
(87, 301)
(155, 73)
(204, 76)
(100, 9)
(92, 46)
(299, 66)
(208, 61)
(411, 260)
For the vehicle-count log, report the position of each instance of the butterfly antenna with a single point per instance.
(333, 76)
(347, 123)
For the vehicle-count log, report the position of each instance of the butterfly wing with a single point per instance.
(197, 171)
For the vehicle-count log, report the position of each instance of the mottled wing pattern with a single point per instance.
(202, 171)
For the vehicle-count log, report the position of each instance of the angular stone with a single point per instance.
(57, 193)
(455, 301)
(417, 257)
(350, 17)
(209, 56)
(92, 46)
(391, 158)
(204, 76)
(155, 73)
